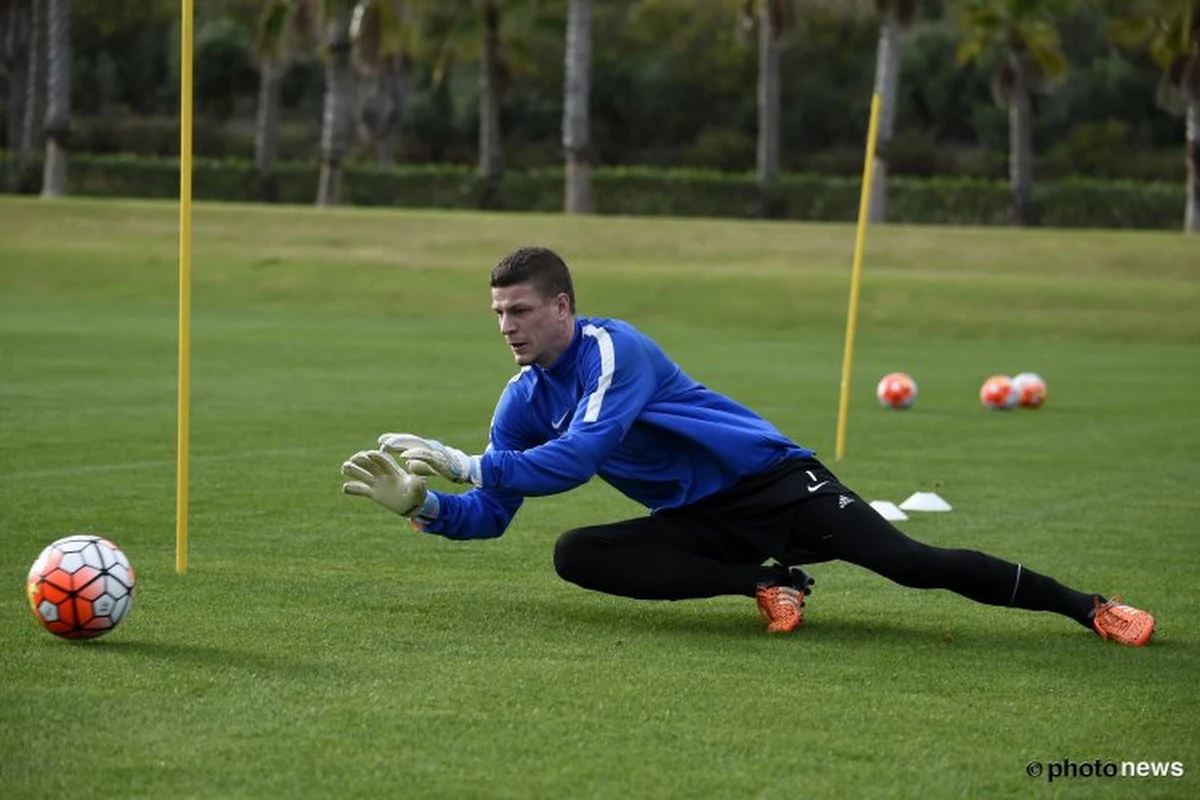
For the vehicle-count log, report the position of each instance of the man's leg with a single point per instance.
(663, 558)
(854, 532)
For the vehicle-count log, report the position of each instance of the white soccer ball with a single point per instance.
(1031, 389)
(80, 587)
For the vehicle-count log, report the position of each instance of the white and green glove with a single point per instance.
(431, 457)
(377, 475)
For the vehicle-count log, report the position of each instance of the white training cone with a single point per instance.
(888, 510)
(925, 501)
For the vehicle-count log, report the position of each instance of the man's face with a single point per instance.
(537, 330)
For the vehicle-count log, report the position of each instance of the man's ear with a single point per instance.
(562, 304)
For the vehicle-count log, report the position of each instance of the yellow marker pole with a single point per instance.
(856, 271)
(185, 285)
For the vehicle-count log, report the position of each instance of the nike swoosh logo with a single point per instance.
(561, 420)
(816, 486)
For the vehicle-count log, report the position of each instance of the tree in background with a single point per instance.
(1021, 36)
(463, 30)
(576, 93)
(383, 60)
(1170, 31)
(281, 27)
(897, 17)
(335, 18)
(58, 107)
(775, 23)
(35, 91)
(497, 35)
(15, 37)
(491, 153)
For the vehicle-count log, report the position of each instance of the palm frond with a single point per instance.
(271, 37)
(1044, 46)
(1132, 33)
(377, 33)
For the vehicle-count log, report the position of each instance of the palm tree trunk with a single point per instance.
(335, 121)
(385, 147)
(1191, 222)
(35, 93)
(266, 127)
(768, 109)
(1020, 131)
(491, 160)
(578, 187)
(887, 83)
(14, 52)
(266, 130)
(58, 117)
(383, 106)
(399, 88)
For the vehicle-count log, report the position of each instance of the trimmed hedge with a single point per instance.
(626, 190)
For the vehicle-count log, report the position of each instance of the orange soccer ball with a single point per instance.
(896, 390)
(998, 393)
(80, 587)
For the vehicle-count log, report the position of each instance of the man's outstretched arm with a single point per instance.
(478, 514)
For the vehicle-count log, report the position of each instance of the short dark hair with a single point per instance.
(540, 266)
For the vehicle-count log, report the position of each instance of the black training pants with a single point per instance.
(796, 513)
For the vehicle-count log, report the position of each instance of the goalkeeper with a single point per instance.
(735, 506)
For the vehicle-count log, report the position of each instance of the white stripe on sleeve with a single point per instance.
(608, 363)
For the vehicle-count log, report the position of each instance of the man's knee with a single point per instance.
(573, 552)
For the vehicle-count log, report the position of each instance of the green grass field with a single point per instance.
(317, 647)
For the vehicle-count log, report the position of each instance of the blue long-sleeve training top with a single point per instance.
(612, 405)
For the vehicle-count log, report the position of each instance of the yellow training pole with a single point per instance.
(856, 271)
(185, 284)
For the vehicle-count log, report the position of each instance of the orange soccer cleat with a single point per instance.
(780, 607)
(1125, 624)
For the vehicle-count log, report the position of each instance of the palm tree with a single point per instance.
(1170, 30)
(381, 55)
(492, 31)
(449, 31)
(58, 116)
(775, 22)
(1021, 35)
(898, 16)
(366, 34)
(14, 66)
(576, 90)
(491, 153)
(35, 92)
(282, 22)
(339, 87)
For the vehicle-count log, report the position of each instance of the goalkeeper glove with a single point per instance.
(377, 475)
(431, 457)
